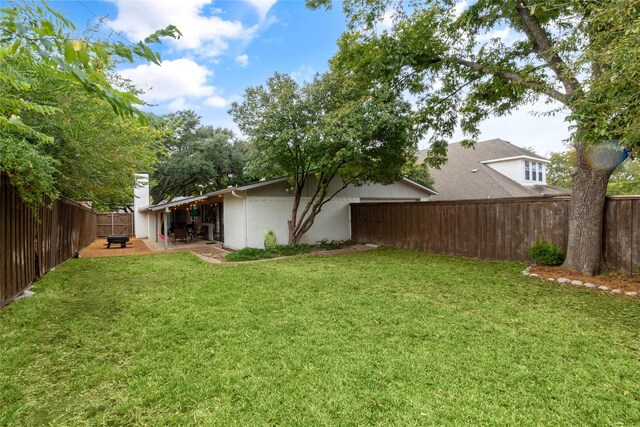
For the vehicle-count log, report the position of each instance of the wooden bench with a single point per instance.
(117, 238)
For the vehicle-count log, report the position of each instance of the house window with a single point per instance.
(540, 172)
(533, 171)
(527, 170)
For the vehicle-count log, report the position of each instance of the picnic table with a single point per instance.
(117, 238)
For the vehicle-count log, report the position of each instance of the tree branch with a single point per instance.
(514, 77)
(543, 47)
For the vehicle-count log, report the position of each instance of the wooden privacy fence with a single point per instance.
(30, 246)
(495, 229)
(115, 223)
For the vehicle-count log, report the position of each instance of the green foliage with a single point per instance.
(270, 240)
(332, 127)
(625, 179)
(559, 170)
(196, 159)
(419, 173)
(60, 104)
(546, 253)
(251, 254)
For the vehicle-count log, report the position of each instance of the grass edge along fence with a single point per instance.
(500, 229)
(30, 246)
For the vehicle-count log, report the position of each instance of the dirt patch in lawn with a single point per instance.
(98, 249)
(627, 283)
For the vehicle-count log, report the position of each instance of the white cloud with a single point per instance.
(216, 101)
(243, 60)
(303, 74)
(386, 24)
(459, 8)
(178, 104)
(174, 80)
(495, 34)
(262, 6)
(207, 35)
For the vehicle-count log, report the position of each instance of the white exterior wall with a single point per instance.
(141, 219)
(514, 169)
(151, 225)
(272, 213)
(234, 221)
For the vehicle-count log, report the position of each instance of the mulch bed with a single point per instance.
(628, 283)
(98, 249)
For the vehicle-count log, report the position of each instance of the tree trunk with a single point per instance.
(586, 218)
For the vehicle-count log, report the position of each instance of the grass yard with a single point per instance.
(385, 337)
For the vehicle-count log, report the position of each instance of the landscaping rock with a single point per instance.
(525, 273)
(576, 283)
(534, 275)
(631, 294)
(603, 288)
(564, 280)
(551, 279)
(616, 291)
(589, 285)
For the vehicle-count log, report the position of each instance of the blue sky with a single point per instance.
(230, 45)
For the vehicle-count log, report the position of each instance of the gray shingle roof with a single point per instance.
(456, 181)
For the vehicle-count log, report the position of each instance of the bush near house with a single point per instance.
(546, 253)
(251, 254)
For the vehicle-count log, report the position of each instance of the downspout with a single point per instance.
(246, 235)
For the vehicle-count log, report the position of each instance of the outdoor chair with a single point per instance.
(180, 234)
(203, 232)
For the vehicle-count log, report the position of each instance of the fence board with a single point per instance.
(495, 229)
(31, 245)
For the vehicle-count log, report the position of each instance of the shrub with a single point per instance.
(546, 253)
(270, 241)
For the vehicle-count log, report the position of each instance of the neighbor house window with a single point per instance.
(533, 171)
(540, 171)
(527, 170)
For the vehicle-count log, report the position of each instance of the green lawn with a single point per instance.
(386, 337)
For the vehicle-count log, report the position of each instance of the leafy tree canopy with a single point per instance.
(584, 55)
(196, 159)
(331, 127)
(65, 119)
(625, 179)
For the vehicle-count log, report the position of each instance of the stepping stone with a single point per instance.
(589, 285)
(603, 288)
(564, 280)
(631, 294)
(576, 283)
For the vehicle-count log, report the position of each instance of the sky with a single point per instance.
(228, 46)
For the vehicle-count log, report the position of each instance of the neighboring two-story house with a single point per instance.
(494, 169)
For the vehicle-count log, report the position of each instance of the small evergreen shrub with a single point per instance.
(270, 241)
(545, 253)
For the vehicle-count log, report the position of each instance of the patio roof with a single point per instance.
(177, 201)
(421, 187)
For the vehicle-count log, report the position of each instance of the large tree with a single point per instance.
(582, 55)
(196, 158)
(311, 134)
(52, 79)
(625, 179)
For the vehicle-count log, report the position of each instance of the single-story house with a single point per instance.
(493, 169)
(239, 216)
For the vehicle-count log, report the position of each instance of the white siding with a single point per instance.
(141, 192)
(513, 169)
(234, 222)
(272, 213)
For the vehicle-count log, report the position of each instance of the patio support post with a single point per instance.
(166, 229)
